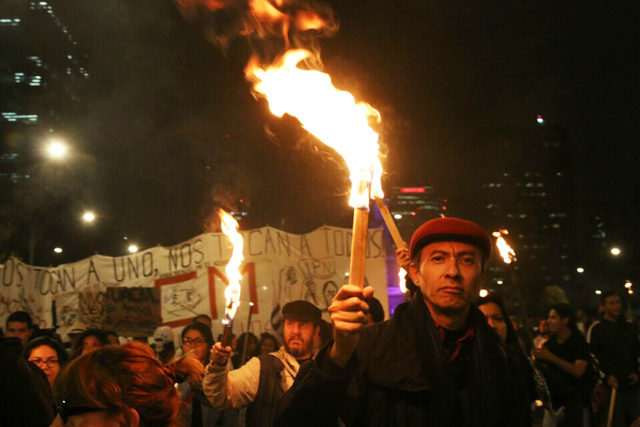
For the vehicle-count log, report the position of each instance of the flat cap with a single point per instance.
(302, 311)
(451, 230)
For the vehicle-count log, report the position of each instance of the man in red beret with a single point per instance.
(435, 362)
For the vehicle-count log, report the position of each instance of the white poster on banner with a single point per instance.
(278, 267)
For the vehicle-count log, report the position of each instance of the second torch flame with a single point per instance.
(232, 292)
(506, 252)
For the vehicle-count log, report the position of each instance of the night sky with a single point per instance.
(170, 119)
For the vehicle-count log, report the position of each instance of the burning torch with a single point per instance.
(509, 257)
(232, 292)
(336, 119)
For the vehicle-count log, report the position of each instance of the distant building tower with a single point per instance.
(412, 206)
(530, 193)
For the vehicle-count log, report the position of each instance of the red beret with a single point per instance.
(451, 230)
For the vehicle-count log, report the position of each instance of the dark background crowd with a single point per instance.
(578, 358)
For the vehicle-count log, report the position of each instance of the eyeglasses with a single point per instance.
(189, 342)
(52, 363)
(69, 411)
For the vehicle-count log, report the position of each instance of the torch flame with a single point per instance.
(403, 282)
(232, 292)
(506, 252)
(331, 115)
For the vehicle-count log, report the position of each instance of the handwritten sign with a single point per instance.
(133, 312)
(279, 267)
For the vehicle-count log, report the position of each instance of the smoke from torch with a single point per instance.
(297, 22)
(506, 252)
(232, 292)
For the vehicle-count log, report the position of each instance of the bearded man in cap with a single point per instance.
(435, 362)
(263, 380)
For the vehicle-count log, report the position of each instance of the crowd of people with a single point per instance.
(445, 358)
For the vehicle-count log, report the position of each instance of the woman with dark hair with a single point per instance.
(48, 355)
(268, 344)
(493, 309)
(90, 340)
(112, 337)
(241, 357)
(564, 359)
(197, 341)
(122, 385)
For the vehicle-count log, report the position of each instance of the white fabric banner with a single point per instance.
(278, 267)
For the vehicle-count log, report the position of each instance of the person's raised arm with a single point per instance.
(235, 389)
(575, 369)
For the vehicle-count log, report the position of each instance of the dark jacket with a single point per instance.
(400, 376)
(25, 396)
(261, 411)
(617, 348)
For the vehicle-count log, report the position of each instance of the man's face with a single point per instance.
(555, 322)
(19, 330)
(449, 276)
(613, 306)
(298, 338)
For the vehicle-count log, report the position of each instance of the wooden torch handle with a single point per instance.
(359, 247)
(391, 224)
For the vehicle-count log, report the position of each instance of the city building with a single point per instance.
(43, 76)
(529, 192)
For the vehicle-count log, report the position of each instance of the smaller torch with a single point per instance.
(232, 292)
(391, 224)
(246, 335)
(506, 252)
(509, 257)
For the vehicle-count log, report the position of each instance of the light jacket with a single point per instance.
(238, 388)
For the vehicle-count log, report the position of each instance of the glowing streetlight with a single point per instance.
(628, 284)
(133, 249)
(539, 119)
(57, 250)
(397, 216)
(56, 150)
(615, 251)
(598, 292)
(580, 270)
(484, 293)
(88, 216)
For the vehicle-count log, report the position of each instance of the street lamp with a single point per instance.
(57, 250)
(615, 251)
(580, 270)
(88, 216)
(484, 293)
(56, 150)
(133, 249)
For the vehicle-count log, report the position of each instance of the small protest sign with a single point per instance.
(133, 312)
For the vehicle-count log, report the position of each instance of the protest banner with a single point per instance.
(278, 267)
